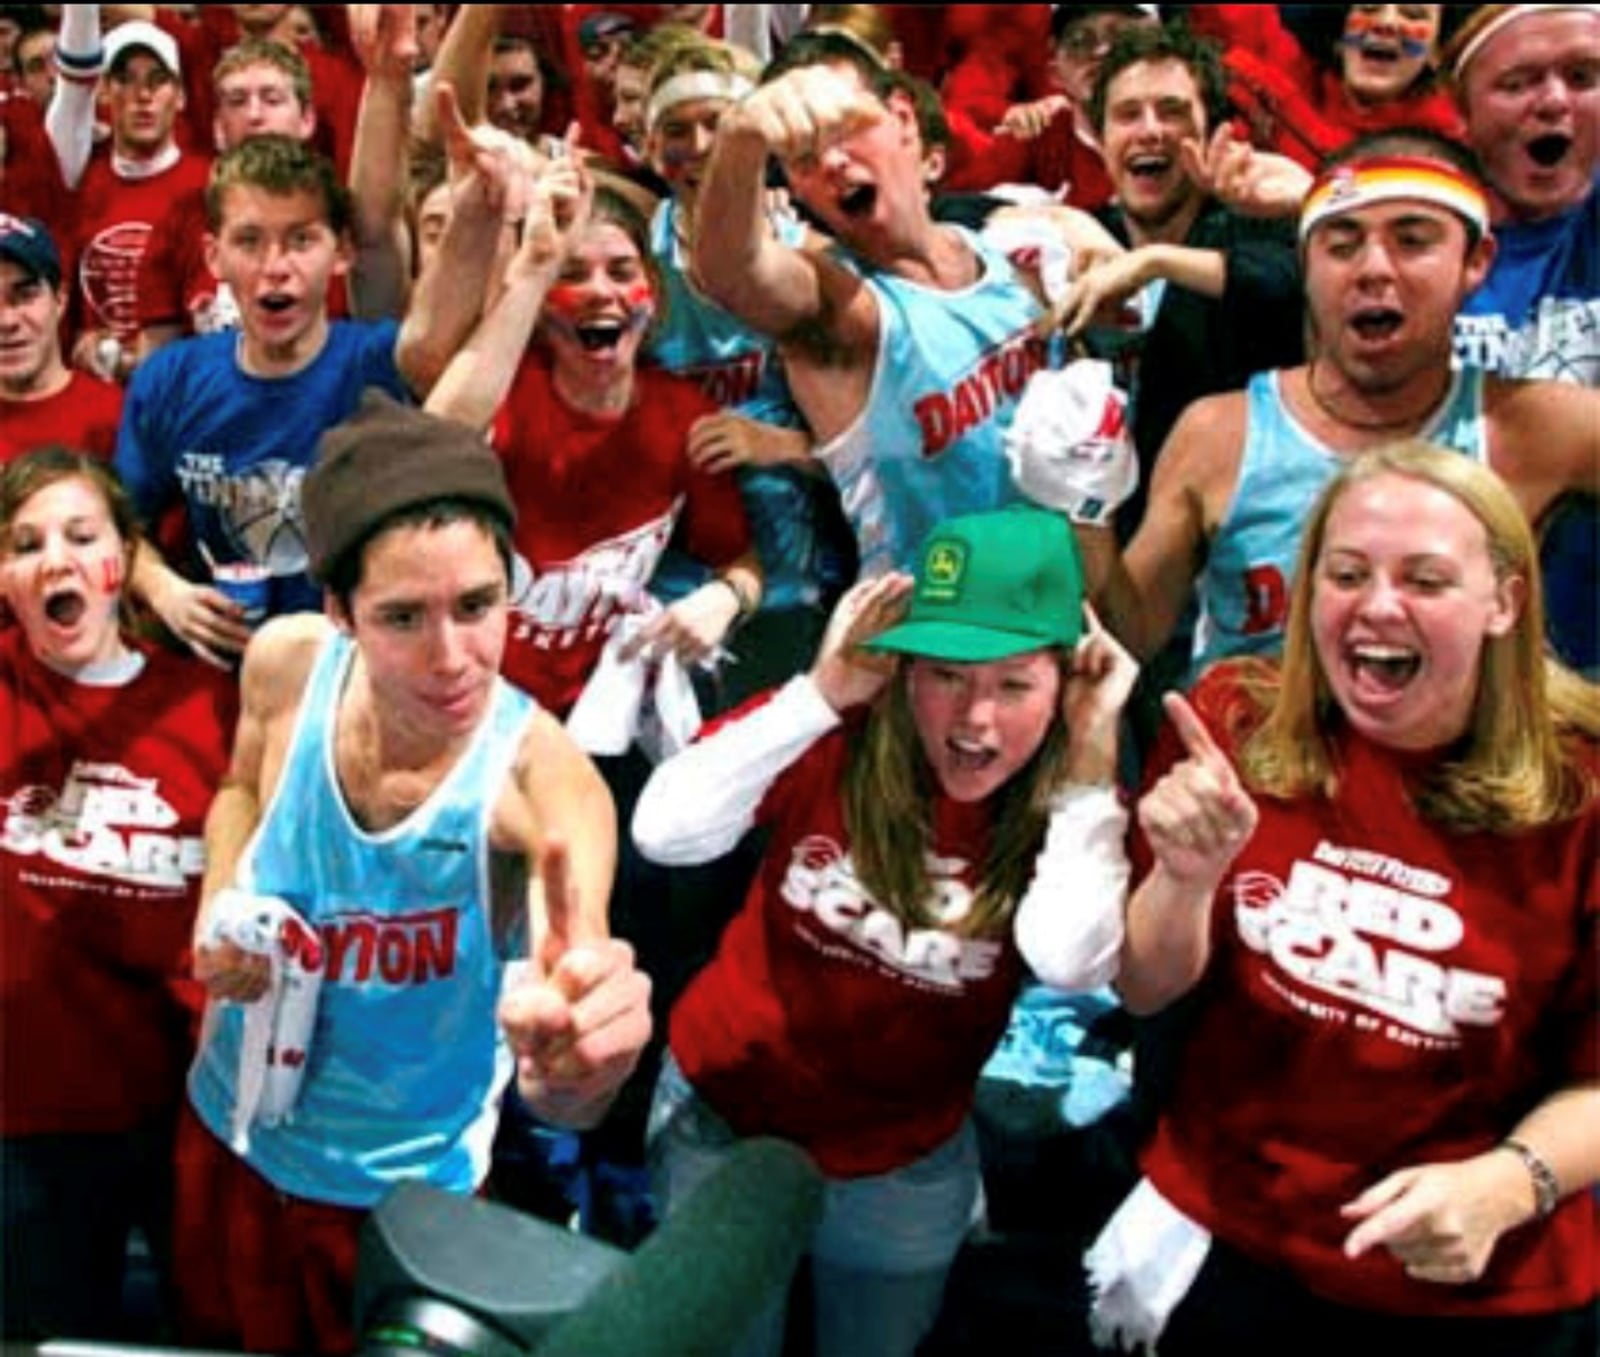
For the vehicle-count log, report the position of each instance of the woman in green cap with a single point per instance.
(938, 796)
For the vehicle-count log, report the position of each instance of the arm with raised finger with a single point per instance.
(477, 379)
(488, 183)
(577, 1016)
(1196, 818)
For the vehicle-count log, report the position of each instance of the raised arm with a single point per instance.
(385, 39)
(579, 1017)
(1142, 591)
(463, 64)
(737, 260)
(1196, 818)
(1069, 923)
(487, 194)
(479, 376)
(69, 120)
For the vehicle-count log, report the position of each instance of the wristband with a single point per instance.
(747, 605)
(1546, 1190)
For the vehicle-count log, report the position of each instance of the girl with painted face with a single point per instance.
(596, 450)
(1310, 85)
(938, 800)
(109, 755)
(1379, 857)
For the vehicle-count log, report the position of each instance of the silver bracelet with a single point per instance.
(1546, 1190)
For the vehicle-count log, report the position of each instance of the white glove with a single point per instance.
(276, 1041)
(1068, 444)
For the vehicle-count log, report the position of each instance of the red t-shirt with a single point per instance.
(337, 79)
(1060, 159)
(114, 223)
(102, 802)
(824, 1020)
(598, 500)
(29, 171)
(84, 415)
(1381, 994)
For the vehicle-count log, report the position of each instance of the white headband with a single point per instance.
(1512, 13)
(681, 89)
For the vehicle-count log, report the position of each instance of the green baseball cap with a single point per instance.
(990, 586)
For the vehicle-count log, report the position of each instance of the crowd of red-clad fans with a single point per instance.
(748, 300)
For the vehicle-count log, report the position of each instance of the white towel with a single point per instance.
(644, 699)
(276, 1042)
(1141, 1266)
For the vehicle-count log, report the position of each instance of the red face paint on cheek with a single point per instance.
(640, 296)
(564, 300)
(111, 574)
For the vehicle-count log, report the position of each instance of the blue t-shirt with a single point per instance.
(1538, 315)
(1538, 312)
(235, 447)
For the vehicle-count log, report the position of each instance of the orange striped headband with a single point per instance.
(1382, 179)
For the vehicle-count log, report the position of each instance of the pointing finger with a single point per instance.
(1192, 731)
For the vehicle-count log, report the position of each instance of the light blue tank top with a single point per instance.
(738, 368)
(1244, 590)
(928, 444)
(406, 1062)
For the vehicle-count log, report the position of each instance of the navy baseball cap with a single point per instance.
(27, 242)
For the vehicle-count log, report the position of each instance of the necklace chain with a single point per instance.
(1412, 422)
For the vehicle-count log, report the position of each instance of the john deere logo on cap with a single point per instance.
(942, 571)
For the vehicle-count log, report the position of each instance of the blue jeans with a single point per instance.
(884, 1246)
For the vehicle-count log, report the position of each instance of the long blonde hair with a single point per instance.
(888, 802)
(1514, 767)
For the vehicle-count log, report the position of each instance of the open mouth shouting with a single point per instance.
(1376, 324)
(65, 606)
(968, 756)
(1382, 671)
(600, 337)
(858, 201)
(1549, 150)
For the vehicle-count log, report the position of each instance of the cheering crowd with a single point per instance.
(583, 583)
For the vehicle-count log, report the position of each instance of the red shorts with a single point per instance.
(254, 1267)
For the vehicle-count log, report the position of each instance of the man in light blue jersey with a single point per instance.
(1393, 237)
(414, 822)
(907, 346)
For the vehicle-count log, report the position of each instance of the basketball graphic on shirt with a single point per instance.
(263, 518)
(109, 276)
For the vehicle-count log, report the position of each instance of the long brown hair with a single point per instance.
(1514, 767)
(888, 799)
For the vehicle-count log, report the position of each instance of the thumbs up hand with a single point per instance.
(578, 1015)
(1198, 816)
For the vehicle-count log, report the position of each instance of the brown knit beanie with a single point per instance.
(385, 458)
